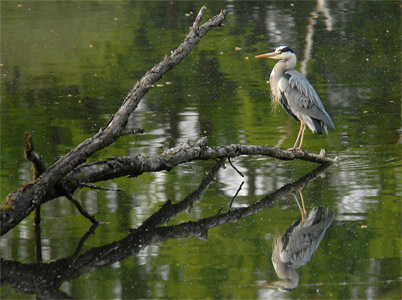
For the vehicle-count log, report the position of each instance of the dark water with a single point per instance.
(65, 69)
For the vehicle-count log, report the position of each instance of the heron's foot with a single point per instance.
(294, 150)
(299, 149)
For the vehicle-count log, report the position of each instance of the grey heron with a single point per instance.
(298, 244)
(296, 95)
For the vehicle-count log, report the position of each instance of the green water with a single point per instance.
(66, 68)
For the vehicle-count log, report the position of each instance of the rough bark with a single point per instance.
(136, 165)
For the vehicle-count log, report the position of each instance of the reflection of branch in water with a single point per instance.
(309, 43)
(84, 238)
(298, 244)
(169, 210)
(38, 234)
(237, 170)
(45, 279)
(234, 197)
(323, 8)
(312, 21)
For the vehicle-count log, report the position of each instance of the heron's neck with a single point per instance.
(285, 65)
(277, 73)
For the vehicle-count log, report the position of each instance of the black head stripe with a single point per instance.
(286, 49)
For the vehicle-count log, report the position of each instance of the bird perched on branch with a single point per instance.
(296, 95)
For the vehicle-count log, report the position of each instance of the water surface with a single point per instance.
(66, 68)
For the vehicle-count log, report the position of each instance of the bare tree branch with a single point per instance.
(136, 165)
(133, 166)
(185, 152)
(20, 203)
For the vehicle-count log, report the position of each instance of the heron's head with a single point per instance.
(281, 53)
(289, 276)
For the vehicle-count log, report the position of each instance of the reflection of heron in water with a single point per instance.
(297, 245)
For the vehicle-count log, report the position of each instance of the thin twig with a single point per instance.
(237, 170)
(237, 192)
(80, 208)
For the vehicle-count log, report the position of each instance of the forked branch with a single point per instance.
(20, 203)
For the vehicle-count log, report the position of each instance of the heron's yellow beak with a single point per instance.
(267, 55)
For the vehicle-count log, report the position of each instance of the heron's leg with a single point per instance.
(302, 137)
(298, 136)
(300, 207)
(304, 213)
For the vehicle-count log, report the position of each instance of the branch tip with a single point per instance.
(198, 19)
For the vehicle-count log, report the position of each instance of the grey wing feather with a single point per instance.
(304, 241)
(302, 85)
(301, 96)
